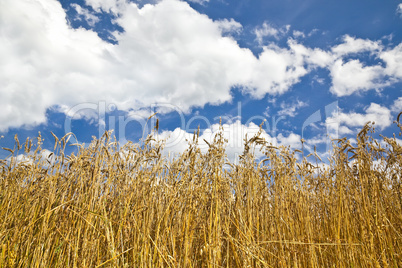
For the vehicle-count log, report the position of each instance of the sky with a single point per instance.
(317, 70)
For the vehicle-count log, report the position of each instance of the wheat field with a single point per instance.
(109, 205)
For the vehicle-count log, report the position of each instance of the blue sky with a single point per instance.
(312, 69)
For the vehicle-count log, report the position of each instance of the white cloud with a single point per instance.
(293, 140)
(91, 19)
(276, 71)
(353, 76)
(235, 133)
(399, 10)
(289, 109)
(313, 32)
(393, 60)
(352, 45)
(267, 30)
(373, 113)
(43, 61)
(313, 57)
(397, 105)
(20, 159)
(344, 130)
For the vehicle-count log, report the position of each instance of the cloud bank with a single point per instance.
(373, 113)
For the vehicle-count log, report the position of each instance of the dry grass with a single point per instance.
(130, 207)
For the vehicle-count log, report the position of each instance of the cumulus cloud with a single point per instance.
(235, 133)
(353, 45)
(374, 113)
(292, 140)
(312, 57)
(157, 59)
(393, 60)
(43, 61)
(344, 130)
(90, 18)
(353, 76)
(276, 71)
